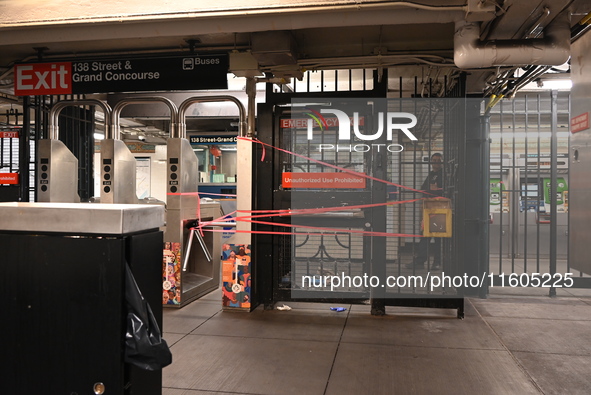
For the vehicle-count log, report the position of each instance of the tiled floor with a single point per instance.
(510, 343)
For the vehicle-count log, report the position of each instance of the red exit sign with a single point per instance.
(43, 79)
(8, 134)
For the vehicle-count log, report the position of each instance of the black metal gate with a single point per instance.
(15, 156)
(529, 231)
(376, 227)
(299, 248)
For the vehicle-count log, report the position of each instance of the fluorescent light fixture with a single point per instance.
(99, 136)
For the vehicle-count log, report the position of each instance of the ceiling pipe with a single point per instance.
(471, 53)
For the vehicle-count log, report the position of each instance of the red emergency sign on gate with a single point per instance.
(302, 123)
(9, 178)
(43, 79)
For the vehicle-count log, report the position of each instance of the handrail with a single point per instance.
(140, 100)
(203, 99)
(59, 106)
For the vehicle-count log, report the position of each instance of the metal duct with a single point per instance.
(470, 52)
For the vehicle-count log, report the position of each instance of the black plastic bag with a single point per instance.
(144, 345)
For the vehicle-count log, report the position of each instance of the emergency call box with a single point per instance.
(437, 217)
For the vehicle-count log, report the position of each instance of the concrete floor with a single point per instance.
(518, 341)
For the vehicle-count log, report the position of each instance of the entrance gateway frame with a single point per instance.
(273, 251)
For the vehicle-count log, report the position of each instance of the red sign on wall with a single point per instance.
(9, 178)
(321, 180)
(43, 79)
(579, 123)
(8, 134)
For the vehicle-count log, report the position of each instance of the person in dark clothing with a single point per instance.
(433, 185)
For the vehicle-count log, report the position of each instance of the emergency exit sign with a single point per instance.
(8, 134)
(187, 72)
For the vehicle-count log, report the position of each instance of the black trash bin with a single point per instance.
(63, 281)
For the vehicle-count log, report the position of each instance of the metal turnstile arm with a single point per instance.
(203, 246)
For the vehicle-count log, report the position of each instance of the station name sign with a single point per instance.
(189, 72)
(213, 139)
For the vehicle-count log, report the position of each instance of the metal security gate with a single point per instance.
(301, 249)
(441, 142)
(14, 157)
(10, 176)
(529, 192)
(377, 229)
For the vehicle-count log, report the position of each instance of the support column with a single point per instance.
(244, 168)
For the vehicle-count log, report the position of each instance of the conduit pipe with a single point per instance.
(471, 53)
